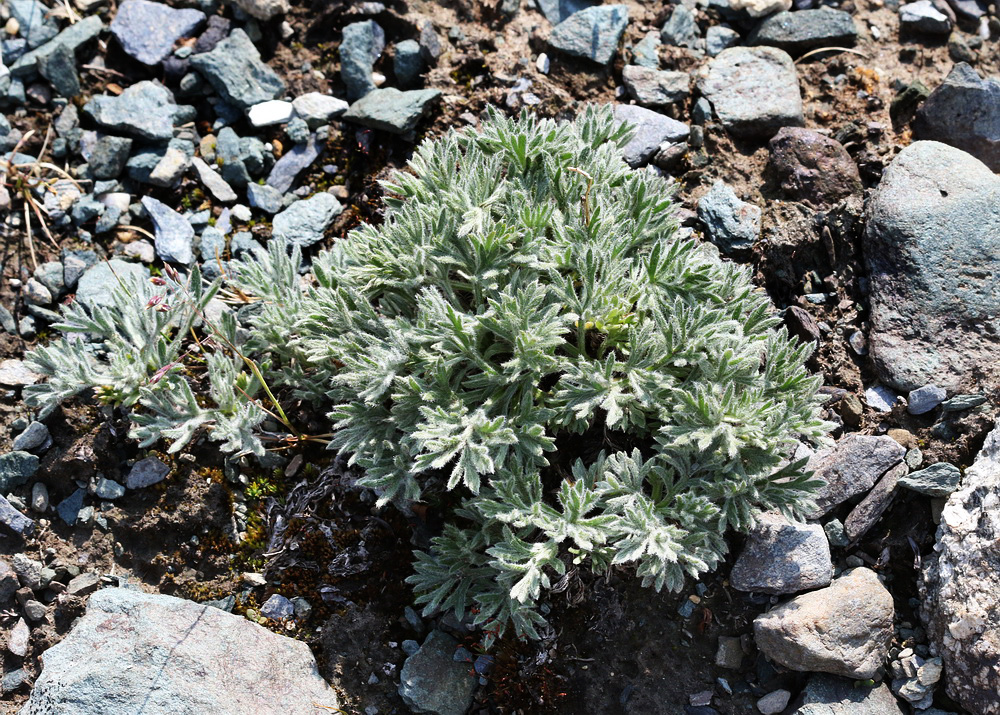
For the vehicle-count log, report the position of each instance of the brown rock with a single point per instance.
(812, 167)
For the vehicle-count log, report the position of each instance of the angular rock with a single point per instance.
(73, 37)
(755, 91)
(843, 629)
(937, 480)
(655, 88)
(213, 182)
(964, 111)
(556, 11)
(960, 589)
(235, 70)
(147, 31)
(317, 109)
(290, 165)
(433, 681)
(16, 373)
(760, 8)
(407, 63)
(8, 582)
(277, 607)
(174, 234)
(145, 111)
(17, 639)
(172, 165)
(922, 16)
(646, 52)
(263, 9)
(812, 167)
(680, 29)
(59, 68)
(14, 521)
(99, 281)
(83, 584)
(16, 468)
(719, 38)
(798, 32)
(830, 695)
(146, 472)
(266, 198)
(108, 156)
(304, 222)
(34, 436)
(168, 655)
(651, 130)
(362, 44)
(269, 113)
(731, 224)
(924, 399)
(851, 467)
(773, 703)
(932, 246)
(783, 557)
(69, 508)
(32, 16)
(391, 110)
(870, 509)
(592, 33)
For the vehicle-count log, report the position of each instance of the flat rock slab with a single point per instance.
(781, 556)
(870, 509)
(592, 33)
(304, 222)
(391, 110)
(235, 70)
(755, 91)
(135, 652)
(964, 111)
(432, 681)
(148, 30)
(830, 695)
(804, 30)
(851, 467)
(16, 373)
(98, 283)
(843, 629)
(73, 37)
(960, 589)
(145, 111)
(651, 130)
(932, 246)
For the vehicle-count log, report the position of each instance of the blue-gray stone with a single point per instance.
(804, 30)
(291, 164)
(148, 30)
(13, 520)
(108, 220)
(12, 49)
(16, 468)
(174, 234)
(937, 480)
(14, 680)
(86, 209)
(243, 243)
(680, 29)
(719, 38)
(391, 110)
(108, 156)
(297, 130)
(108, 489)
(646, 52)
(959, 403)
(34, 436)
(145, 110)
(59, 68)
(36, 28)
(69, 508)
(223, 604)
(263, 197)
(7, 321)
(556, 11)
(74, 37)
(964, 111)
(74, 264)
(304, 222)
(651, 129)
(254, 155)
(362, 44)
(228, 151)
(98, 282)
(237, 73)
(933, 254)
(731, 224)
(213, 244)
(146, 472)
(408, 63)
(432, 681)
(50, 274)
(410, 646)
(924, 399)
(592, 33)
(277, 607)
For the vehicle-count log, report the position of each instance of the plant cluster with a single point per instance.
(524, 288)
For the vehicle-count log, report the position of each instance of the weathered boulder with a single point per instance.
(830, 695)
(932, 246)
(960, 590)
(781, 556)
(843, 629)
(136, 652)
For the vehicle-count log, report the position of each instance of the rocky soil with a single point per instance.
(845, 151)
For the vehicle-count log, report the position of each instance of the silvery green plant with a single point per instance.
(524, 287)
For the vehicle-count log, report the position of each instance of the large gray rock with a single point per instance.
(937, 480)
(556, 11)
(731, 224)
(98, 282)
(135, 652)
(174, 234)
(432, 681)
(655, 88)
(304, 222)
(651, 129)
(960, 590)
(593, 33)
(830, 695)
(148, 30)
(362, 44)
(755, 90)
(680, 29)
(292, 163)
(73, 37)
(964, 111)
(932, 245)
(851, 467)
(843, 629)
(783, 557)
(390, 110)
(804, 30)
(235, 70)
(145, 110)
